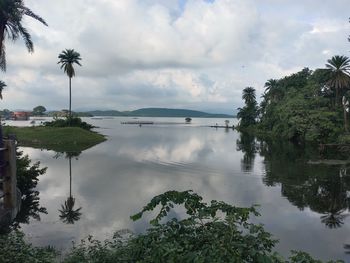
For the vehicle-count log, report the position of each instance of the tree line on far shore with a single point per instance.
(310, 105)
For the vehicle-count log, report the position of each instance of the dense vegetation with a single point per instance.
(305, 106)
(69, 122)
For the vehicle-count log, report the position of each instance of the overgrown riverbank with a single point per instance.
(59, 139)
(308, 106)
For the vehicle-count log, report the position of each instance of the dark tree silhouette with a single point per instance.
(11, 15)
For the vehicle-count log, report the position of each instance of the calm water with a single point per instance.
(305, 206)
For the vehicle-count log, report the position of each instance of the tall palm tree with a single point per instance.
(67, 58)
(338, 68)
(249, 112)
(11, 14)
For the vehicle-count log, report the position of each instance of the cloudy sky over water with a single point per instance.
(195, 54)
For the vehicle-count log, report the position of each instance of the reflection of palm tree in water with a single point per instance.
(334, 219)
(247, 144)
(67, 212)
(339, 203)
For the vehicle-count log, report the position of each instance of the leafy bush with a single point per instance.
(70, 122)
(215, 232)
(14, 248)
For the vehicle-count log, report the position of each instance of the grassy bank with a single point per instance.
(54, 138)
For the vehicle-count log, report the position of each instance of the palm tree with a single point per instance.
(248, 95)
(2, 86)
(11, 14)
(249, 112)
(270, 84)
(67, 58)
(338, 68)
(68, 214)
(271, 89)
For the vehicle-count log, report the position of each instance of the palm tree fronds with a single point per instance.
(11, 15)
(31, 14)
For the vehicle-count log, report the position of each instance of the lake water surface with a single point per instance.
(305, 206)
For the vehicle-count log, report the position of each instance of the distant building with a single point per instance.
(20, 115)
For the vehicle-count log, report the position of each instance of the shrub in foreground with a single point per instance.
(215, 232)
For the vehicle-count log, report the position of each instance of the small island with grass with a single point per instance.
(60, 135)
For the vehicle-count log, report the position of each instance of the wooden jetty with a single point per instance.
(10, 196)
(138, 122)
(222, 126)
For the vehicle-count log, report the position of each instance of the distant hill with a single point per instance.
(107, 113)
(159, 112)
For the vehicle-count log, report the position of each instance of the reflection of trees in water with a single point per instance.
(247, 144)
(27, 180)
(322, 188)
(68, 214)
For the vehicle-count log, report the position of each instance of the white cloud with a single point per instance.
(194, 53)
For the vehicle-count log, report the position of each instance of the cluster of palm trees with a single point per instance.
(337, 73)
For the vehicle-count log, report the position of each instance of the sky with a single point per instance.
(193, 54)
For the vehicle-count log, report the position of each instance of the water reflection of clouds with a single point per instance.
(184, 152)
(115, 180)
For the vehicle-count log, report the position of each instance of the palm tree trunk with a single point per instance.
(70, 100)
(345, 119)
(2, 48)
(337, 102)
(2, 157)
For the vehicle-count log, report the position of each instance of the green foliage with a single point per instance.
(301, 108)
(302, 257)
(27, 180)
(39, 111)
(27, 174)
(214, 232)
(65, 139)
(14, 249)
(70, 122)
(68, 58)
